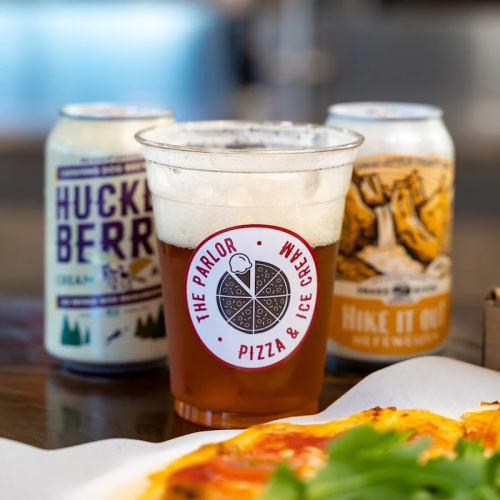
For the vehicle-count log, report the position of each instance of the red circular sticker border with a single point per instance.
(243, 226)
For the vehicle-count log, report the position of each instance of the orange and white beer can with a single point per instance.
(392, 291)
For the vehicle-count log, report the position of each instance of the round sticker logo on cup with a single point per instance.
(251, 294)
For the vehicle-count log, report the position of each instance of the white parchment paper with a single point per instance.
(115, 469)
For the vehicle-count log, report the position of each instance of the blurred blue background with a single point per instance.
(51, 53)
(252, 59)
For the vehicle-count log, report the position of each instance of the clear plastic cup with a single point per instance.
(248, 217)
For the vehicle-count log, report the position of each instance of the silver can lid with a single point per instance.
(113, 111)
(384, 111)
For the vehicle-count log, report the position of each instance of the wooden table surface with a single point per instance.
(45, 406)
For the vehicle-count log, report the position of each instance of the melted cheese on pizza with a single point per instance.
(483, 423)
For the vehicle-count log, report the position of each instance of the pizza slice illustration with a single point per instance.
(253, 297)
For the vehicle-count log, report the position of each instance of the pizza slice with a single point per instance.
(240, 468)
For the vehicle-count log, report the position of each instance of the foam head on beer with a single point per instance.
(204, 178)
